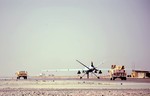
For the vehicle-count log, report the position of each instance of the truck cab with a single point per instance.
(21, 74)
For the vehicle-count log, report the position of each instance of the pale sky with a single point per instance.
(51, 34)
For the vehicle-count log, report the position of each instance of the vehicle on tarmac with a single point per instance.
(117, 72)
(21, 74)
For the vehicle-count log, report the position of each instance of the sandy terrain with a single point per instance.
(13, 87)
(73, 92)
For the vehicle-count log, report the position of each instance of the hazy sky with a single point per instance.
(47, 34)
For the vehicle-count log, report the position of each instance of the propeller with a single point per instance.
(100, 64)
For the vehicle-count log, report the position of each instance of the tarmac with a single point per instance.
(58, 86)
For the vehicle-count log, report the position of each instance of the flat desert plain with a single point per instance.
(74, 87)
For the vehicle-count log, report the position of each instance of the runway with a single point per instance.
(76, 83)
(74, 87)
(137, 80)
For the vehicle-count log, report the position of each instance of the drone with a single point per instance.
(92, 70)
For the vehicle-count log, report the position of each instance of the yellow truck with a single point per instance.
(117, 72)
(21, 74)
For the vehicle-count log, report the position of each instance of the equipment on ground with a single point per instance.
(92, 70)
(117, 72)
(21, 74)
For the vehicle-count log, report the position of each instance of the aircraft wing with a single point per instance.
(82, 64)
(61, 70)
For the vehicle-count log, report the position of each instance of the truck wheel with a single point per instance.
(122, 78)
(110, 78)
(125, 78)
(114, 78)
(25, 77)
(18, 77)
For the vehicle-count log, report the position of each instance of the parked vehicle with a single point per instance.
(21, 74)
(117, 72)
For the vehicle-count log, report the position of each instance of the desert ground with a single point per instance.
(74, 87)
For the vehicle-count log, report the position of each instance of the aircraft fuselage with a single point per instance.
(90, 70)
